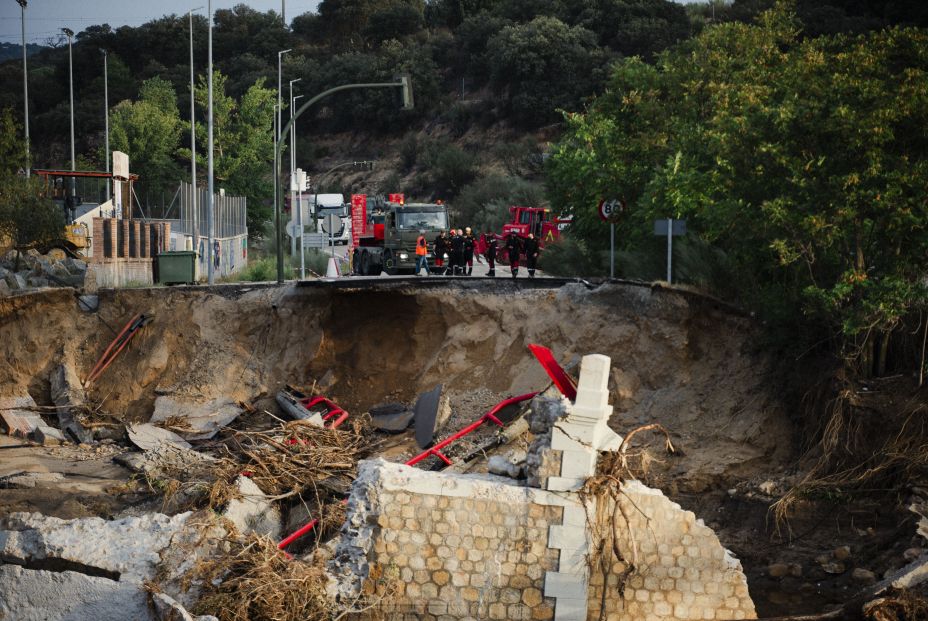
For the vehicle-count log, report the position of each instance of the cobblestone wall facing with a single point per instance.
(682, 570)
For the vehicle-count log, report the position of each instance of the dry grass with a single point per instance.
(898, 606)
(258, 581)
(294, 459)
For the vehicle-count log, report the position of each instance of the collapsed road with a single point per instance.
(183, 426)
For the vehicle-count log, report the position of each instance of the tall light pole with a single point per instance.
(22, 4)
(106, 108)
(300, 182)
(277, 155)
(292, 171)
(209, 165)
(70, 35)
(195, 214)
(283, 12)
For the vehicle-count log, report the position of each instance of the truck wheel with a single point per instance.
(389, 263)
(365, 264)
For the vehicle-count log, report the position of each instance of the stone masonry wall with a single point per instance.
(681, 572)
(453, 546)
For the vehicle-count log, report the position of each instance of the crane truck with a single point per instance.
(384, 233)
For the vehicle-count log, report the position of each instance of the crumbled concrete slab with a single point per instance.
(148, 437)
(39, 595)
(29, 480)
(509, 465)
(253, 512)
(204, 420)
(128, 548)
(169, 609)
(48, 436)
(15, 417)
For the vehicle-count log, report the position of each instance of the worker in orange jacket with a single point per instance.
(422, 251)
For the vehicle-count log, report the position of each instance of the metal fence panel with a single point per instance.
(230, 213)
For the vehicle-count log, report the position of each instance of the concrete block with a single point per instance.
(565, 484)
(253, 512)
(578, 463)
(567, 537)
(570, 609)
(576, 515)
(573, 561)
(563, 440)
(570, 586)
(18, 423)
(48, 436)
(39, 595)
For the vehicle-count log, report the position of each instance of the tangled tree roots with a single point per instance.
(857, 449)
(604, 492)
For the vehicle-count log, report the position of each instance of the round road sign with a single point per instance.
(332, 224)
(608, 209)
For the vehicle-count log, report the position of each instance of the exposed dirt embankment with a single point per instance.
(680, 360)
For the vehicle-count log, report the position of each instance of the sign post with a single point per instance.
(671, 228)
(608, 210)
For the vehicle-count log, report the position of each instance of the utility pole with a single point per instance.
(209, 165)
(292, 170)
(22, 4)
(195, 214)
(283, 12)
(278, 194)
(70, 35)
(106, 108)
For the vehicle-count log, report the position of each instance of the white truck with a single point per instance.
(322, 205)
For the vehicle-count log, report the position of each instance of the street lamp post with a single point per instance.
(300, 182)
(106, 108)
(292, 169)
(70, 35)
(22, 4)
(209, 164)
(195, 214)
(277, 155)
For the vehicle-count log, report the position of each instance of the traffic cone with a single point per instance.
(331, 270)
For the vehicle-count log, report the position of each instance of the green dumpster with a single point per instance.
(177, 267)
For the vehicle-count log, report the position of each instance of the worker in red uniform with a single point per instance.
(514, 249)
(469, 242)
(490, 252)
(531, 254)
(441, 247)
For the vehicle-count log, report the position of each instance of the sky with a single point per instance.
(46, 18)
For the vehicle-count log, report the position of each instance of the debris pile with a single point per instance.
(29, 270)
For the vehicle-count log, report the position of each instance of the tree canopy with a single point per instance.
(803, 159)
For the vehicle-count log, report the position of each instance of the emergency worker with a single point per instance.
(514, 249)
(469, 242)
(457, 252)
(490, 252)
(422, 251)
(531, 254)
(441, 247)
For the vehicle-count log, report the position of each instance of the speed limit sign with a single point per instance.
(608, 209)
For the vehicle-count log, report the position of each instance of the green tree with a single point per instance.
(544, 65)
(243, 144)
(25, 217)
(803, 160)
(149, 131)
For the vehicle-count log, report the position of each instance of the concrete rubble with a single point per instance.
(21, 272)
(97, 569)
(202, 421)
(253, 512)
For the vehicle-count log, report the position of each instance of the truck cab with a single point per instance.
(391, 246)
